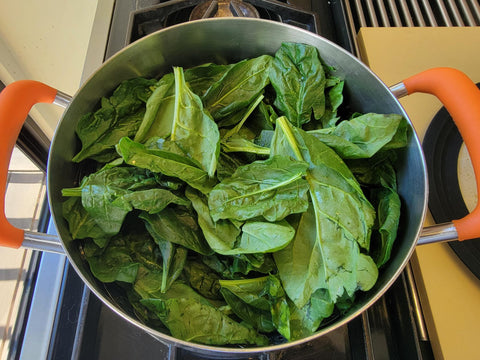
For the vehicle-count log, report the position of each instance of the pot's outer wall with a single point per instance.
(223, 41)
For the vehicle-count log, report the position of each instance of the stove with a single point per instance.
(84, 328)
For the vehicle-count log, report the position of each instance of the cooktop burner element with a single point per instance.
(147, 20)
(232, 8)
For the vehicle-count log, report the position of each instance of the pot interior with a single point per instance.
(224, 41)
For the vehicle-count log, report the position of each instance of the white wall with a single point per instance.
(48, 41)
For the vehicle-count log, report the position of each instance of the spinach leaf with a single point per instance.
(158, 118)
(109, 195)
(333, 247)
(365, 135)
(146, 316)
(263, 297)
(367, 272)
(173, 262)
(153, 281)
(221, 235)
(201, 78)
(192, 320)
(378, 171)
(119, 116)
(273, 188)
(114, 264)
(255, 263)
(177, 290)
(167, 163)
(389, 205)
(244, 118)
(227, 164)
(123, 257)
(80, 224)
(279, 307)
(193, 129)
(379, 175)
(178, 226)
(170, 146)
(301, 263)
(203, 279)
(102, 194)
(258, 116)
(238, 87)
(212, 326)
(259, 319)
(333, 100)
(226, 238)
(238, 266)
(263, 118)
(298, 77)
(306, 320)
(221, 265)
(152, 200)
(263, 236)
(249, 291)
(148, 282)
(331, 183)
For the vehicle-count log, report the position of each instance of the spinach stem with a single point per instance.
(178, 73)
(237, 127)
(285, 125)
(72, 192)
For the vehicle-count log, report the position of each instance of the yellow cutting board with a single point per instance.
(449, 292)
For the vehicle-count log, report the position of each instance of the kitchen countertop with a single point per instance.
(49, 41)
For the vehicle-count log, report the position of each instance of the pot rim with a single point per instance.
(223, 349)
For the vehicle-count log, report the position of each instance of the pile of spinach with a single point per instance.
(231, 203)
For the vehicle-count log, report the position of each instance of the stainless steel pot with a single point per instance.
(221, 41)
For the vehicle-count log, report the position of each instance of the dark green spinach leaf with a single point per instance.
(298, 77)
(167, 163)
(363, 136)
(178, 226)
(80, 223)
(274, 189)
(203, 279)
(238, 87)
(119, 116)
(158, 118)
(190, 319)
(109, 195)
(333, 247)
(306, 320)
(193, 129)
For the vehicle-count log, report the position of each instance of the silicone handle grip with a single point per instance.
(16, 100)
(461, 98)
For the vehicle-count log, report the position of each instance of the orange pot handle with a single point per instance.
(16, 100)
(461, 98)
